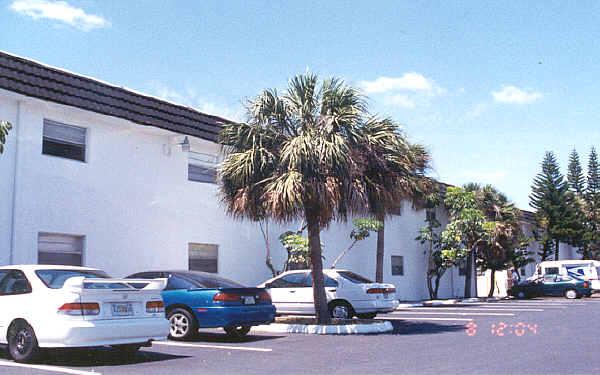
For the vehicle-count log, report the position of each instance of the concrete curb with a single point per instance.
(349, 329)
(447, 302)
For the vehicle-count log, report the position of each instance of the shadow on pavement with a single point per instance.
(403, 327)
(94, 357)
(214, 337)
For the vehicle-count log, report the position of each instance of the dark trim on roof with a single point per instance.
(36, 80)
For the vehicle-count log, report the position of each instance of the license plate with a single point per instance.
(122, 309)
(249, 300)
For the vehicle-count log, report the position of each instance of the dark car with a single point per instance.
(552, 285)
(203, 300)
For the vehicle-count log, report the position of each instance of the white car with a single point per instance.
(62, 306)
(348, 294)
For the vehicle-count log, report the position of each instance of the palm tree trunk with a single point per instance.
(316, 266)
(380, 248)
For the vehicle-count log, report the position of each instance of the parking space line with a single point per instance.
(454, 313)
(192, 345)
(62, 370)
(508, 308)
(427, 318)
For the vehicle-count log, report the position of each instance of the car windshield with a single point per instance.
(353, 277)
(55, 279)
(209, 281)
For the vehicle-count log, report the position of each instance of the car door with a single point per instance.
(15, 299)
(332, 290)
(288, 293)
(550, 286)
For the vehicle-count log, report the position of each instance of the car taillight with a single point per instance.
(585, 285)
(381, 290)
(227, 297)
(264, 296)
(79, 309)
(155, 307)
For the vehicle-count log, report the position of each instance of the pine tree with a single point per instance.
(554, 205)
(575, 175)
(592, 207)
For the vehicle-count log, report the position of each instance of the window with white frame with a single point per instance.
(203, 257)
(397, 265)
(58, 248)
(202, 167)
(66, 141)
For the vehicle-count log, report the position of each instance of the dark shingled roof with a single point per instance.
(40, 81)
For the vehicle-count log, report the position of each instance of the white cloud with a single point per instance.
(477, 111)
(191, 98)
(409, 81)
(59, 11)
(514, 95)
(400, 100)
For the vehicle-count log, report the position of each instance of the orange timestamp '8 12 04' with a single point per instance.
(504, 329)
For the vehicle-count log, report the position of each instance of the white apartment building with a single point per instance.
(99, 175)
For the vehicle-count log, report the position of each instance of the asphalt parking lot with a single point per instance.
(539, 336)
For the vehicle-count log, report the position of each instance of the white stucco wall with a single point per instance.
(132, 201)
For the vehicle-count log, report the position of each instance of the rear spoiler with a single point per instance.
(77, 282)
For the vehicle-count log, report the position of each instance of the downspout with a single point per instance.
(13, 233)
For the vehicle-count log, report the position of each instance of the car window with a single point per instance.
(353, 277)
(563, 278)
(293, 280)
(549, 278)
(13, 282)
(329, 282)
(176, 282)
(209, 281)
(55, 279)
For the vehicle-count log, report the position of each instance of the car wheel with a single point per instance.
(183, 324)
(126, 349)
(570, 294)
(340, 310)
(367, 315)
(22, 343)
(236, 332)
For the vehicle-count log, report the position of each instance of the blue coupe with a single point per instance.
(203, 300)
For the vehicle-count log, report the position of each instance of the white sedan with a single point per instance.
(62, 306)
(348, 294)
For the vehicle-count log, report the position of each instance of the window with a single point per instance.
(551, 271)
(353, 277)
(293, 280)
(176, 282)
(397, 265)
(56, 248)
(203, 257)
(202, 167)
(462, 267)
(13, 282)
(328, 281)
(55, 279)
(62, 140)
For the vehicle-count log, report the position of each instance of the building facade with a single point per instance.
(98, 175)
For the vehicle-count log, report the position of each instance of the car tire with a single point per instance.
(340, 310)
(571, 294)
(126, 350)
(183, 324)
(236, 332)
(22, 342)
(371, 315)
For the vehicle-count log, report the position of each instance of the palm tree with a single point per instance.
(305, 155)
(5, 126)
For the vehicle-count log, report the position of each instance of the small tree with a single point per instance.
(591, 199)
(575, 177)
(5, 126)
(362, 229)
(466, 231)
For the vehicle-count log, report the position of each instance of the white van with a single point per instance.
(583, 269)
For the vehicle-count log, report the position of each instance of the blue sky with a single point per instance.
(487, 86)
